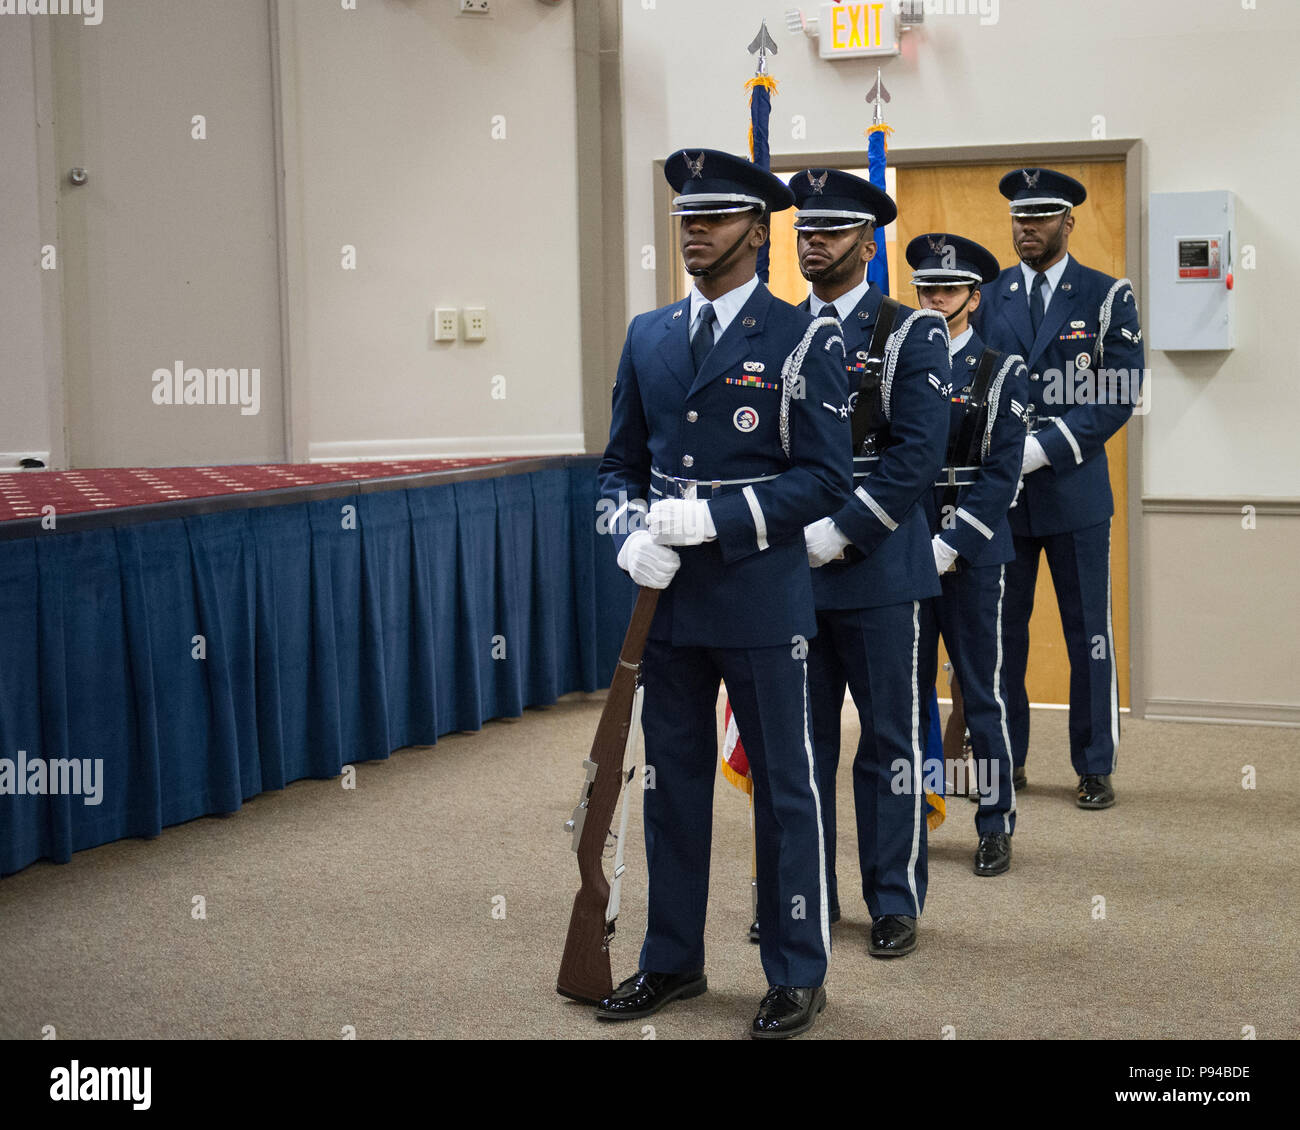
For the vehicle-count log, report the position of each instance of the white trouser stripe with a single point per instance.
(918, 789)
(1114, 672)
(876, 508)
(1069, 435)
(821, 835)
(756, 512)
(1002, 706)
(967, 516)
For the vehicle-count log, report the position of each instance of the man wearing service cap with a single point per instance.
(968, 518)
(730, 417)
(872, 563)
(1078, 331)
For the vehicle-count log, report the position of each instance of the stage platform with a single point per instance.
(178, 640)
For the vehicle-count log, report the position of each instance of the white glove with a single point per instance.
(1034, 457)
(680, 521)
(653, 566)
(825, 542)
(944, 554)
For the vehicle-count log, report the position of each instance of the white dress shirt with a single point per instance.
(843, 306)
(1053, 273)
(725, 308)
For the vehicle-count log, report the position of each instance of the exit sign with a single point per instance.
(849, 31)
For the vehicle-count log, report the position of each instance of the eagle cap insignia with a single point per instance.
(1031, 179)
(695, 166)
(937, 243)
(818, 183)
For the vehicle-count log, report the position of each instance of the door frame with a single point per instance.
(1045, 153)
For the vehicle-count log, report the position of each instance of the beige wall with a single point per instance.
(387, 115)
(389, 148)
(1222, 610)
(1210, 88)
(25, 425)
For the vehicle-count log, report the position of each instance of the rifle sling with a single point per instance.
(965, 451)
(873, 371)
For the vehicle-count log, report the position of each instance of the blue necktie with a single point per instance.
(702, 342)
(1037, 302)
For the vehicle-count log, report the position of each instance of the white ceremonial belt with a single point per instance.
(676, 487)
(862, 465)
(956, 477)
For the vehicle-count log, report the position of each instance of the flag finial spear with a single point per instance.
(878, 96)
(763, 43)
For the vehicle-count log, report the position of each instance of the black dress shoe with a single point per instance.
(892, 935)
(1019, 778)
(1095, 791)
(993, 856)
(644, 994)
(753, 926)
(787, 1011)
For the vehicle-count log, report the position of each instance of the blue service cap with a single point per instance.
(940, 259)
(830, 200)
(710, 182)
(1041, 192)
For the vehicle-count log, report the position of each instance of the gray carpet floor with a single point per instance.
(432, 901)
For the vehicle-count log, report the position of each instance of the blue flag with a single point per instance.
(878, 268)
(760, 89)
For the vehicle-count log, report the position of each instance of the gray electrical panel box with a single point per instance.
(1191, 304)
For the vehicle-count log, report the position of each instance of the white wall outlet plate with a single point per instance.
(475, 7)
(445, 323)
(475, 318)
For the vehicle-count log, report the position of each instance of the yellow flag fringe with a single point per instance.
(768, 83)
(744, 784)
(882, 128)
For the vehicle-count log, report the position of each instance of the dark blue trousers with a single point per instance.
(969, 616)
(768, 689)
(875, 653)
(1080, 566)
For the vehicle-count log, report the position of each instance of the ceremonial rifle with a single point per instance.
(584, 969)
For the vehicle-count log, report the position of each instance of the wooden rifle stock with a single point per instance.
(954, 744)
(584, 969)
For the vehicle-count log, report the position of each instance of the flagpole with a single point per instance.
(877, 162)
(761, 88)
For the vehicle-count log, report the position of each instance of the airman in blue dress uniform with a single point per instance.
(873, 567)
(1078, 331)
(968, 520)
(730, 416)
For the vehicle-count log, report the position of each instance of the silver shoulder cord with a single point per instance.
(1107, 306)
(633, 734)
(894, 346)
(792, 371)
(994, 399)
